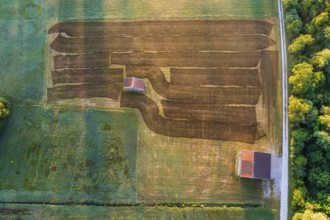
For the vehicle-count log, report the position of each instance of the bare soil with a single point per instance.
(186, 128)
(163, 43)
(101, 75)
(215, 76)
(195, 93)
(213, 86)
(161, 28)
(84, 91)
(209, 112)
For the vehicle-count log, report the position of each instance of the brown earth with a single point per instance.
(269, 78)
(163, 43)
(217, 76)
(194, 93)
(210, 112)
(186, 128)
(213, 86)
(188, 59)
(161, 28)
(101, 75)
(84, 91)
(92, 60)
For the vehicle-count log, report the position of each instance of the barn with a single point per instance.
(134, 84)
(254, 165)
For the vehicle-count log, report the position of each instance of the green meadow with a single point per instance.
(77, 155)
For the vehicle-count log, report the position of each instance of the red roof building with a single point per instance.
(134, 84)
(255, 165)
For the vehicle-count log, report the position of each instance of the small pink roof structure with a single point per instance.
(134, 84)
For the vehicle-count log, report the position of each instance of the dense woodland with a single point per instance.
(308, 33)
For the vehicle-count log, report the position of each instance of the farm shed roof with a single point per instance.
(256, 165)
(134, 84)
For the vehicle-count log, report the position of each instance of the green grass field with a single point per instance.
(75, 154)
(192, 170)
(68, 155)
(132, 213)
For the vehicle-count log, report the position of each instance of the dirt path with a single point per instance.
(285, 147)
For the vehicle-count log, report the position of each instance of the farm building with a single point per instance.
(134, 84)
(255, 165)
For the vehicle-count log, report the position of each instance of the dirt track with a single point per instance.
(212, 64)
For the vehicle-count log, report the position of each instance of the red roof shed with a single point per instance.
(134, 84)
(255, 165)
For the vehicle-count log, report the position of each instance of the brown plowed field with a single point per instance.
(92, 60)
(219, 95)
(218, 76)
(161, 28)
(209, 112)
(84, 91)
(93, 76)
(186, 128)
(161, 43)
(188, 59)
(268, 75)
(210, 63)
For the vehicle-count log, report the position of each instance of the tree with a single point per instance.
(310, 215)
(288, 4)
(301, 135)
(316, 158)
(300, 166)
(293, 23)
(324, 118)
(299, 198)
(327, 33)
(300, 43)
(304, 80)
(319, 179)
(300, 110)
(321, 19)
(323, 140)
(310, 8)
(299, 139)
(4, 110)
(322, 58)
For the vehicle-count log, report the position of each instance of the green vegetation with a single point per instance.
(68, 155)
(4, 110)
(135, 212)
(180, 171)
(307, 24)
(73, 154)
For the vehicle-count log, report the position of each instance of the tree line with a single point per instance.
(308, 33)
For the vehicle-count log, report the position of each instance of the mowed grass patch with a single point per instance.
(192, 170)
(67, 155)
(131, 9)
(134, 213)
